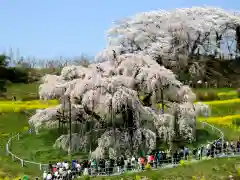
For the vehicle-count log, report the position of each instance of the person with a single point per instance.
(107, 166)
(111, 165)
(85, 172)
(238, 145)
(54, 169)
(49, 176)
(69, 174)
(93, 166)
(66, 165)
(14, 98)
(151, 158)
(129, 168)
(118, 164)
(186, 153)
(78, 167)
(133, 162)
(122, 164)
(25, 177)
(60, 170)
(50, 166)
(142, 162)
(156, 159)
(44, 175)
(101, 166)
(74, 162)
(159, 158)
(56, 174)
(59, 164)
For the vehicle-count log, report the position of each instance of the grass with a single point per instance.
(213, 89)
(26, 148)
(21, 91)
(229, 133)
(225, 109)
(11, 123)
(216, 169)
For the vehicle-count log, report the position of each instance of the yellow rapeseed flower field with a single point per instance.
(18, 106)
(227, 93)
(229, 101)
(224, 120)
(31, 102)
(7, 178)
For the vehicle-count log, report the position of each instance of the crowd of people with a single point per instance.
(66, 171)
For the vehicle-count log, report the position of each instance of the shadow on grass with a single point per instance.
(203, 136)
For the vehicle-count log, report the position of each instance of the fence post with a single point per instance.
(22, 162)
(18, 136)
(10, 141)
(40, 166)
(12, 157)
(7, 152)
(203, 124)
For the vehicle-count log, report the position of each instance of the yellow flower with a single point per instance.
(148, 166)
(25, 128)
(194, 178)
(137, 177)
(227, 93)
(183, 163)
(17, 109)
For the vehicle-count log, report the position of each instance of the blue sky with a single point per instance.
(53, 28)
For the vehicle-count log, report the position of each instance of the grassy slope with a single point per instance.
(26, 148)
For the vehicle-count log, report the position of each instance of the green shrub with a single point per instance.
(238, 171)
(207, 96)
(238, 92)
(86, 177)
(30, 97)
(228, 95)
(236, 122)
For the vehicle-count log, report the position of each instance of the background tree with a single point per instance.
(191, 38)
(3, 74)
